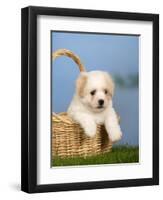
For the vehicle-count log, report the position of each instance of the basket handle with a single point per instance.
(76, 59)
(70, 54)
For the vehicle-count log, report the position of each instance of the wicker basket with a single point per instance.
(68, 138)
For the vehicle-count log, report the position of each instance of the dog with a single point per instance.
(92, 102)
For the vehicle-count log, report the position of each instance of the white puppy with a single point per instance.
(92, 104)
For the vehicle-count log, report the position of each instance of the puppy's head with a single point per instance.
(95, 89)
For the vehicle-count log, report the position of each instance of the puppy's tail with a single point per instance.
(66, 52)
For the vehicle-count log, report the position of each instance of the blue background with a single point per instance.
(116, 54)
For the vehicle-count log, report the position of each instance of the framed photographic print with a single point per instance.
(90, 99)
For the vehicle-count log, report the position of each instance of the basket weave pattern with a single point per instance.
(69, 139)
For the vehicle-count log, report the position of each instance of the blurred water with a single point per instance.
(126, 105)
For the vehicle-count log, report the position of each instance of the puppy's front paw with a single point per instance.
(90, 129)
(115, 135)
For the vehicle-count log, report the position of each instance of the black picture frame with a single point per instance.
(29, 98)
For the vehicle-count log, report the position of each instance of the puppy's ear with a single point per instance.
(80, 83)
(110, 83)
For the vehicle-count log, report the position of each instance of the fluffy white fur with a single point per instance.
(85, 108)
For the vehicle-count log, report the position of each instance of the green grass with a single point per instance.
(119, 154)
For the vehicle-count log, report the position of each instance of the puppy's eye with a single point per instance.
(93, 92)
(105, 91)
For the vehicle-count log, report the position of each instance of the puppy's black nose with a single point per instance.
(101, 102)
